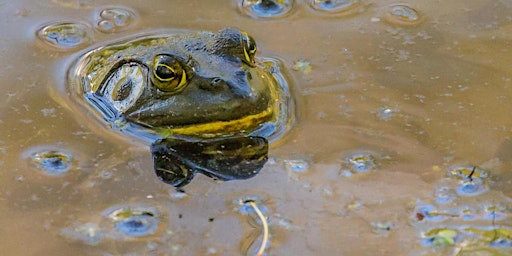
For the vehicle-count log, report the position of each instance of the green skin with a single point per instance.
(203, 93)
(221, 85)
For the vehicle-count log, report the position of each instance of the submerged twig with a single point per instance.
(470, 176)
(265, 227)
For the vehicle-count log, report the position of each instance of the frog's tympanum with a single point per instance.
(203, 99)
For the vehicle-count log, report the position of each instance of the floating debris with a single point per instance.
(382, 226)
(429, 212)
(245, 208)
(472, 180)
(264, 224)
(440, 237)
(302, 66)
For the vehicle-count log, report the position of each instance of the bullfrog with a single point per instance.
(203, 99)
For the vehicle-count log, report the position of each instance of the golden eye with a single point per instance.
(249, 46)
(168, 74)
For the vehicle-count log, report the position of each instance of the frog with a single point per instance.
(204, 100)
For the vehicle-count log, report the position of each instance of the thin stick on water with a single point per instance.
(265, 227)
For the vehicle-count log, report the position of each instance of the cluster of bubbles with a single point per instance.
(280, 8)
(122, 222)
(398, 14)
(119, 222)
(461, 213)
(71, 35)
(65, 36)
(116, 19)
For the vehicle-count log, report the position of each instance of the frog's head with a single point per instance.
(194, 84)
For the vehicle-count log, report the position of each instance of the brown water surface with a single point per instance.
(393, 113)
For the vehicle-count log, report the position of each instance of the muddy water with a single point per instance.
(401, 143)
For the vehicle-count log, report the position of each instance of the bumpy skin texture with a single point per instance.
(213, 86)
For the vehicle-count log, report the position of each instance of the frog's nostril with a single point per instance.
(216, 81)
(214, 84)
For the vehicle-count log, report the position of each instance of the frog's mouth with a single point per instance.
(222, 128)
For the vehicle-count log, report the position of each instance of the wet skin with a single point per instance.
(192, 89)
(200, 84)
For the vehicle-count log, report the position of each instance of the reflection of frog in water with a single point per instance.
(204, 93)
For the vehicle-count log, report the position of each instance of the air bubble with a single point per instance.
(467, 214)
(501, 242)
(385, 113)
(444, 195)
(361, 162)
(402, 15)
(296, 165)
(495, 213)
(344, 7)
(177, 195)
(64, 35)
(265, 8)
(471, 188)
(52, 162)
(134, 221)
(116, 19)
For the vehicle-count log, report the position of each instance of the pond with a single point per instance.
(399, 141)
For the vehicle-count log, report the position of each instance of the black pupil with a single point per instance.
(252, 46)
(164, 72)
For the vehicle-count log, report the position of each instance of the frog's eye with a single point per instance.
(249, 46)
(168, 74)
(124, 85)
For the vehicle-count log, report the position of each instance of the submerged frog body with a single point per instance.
(186, 87)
